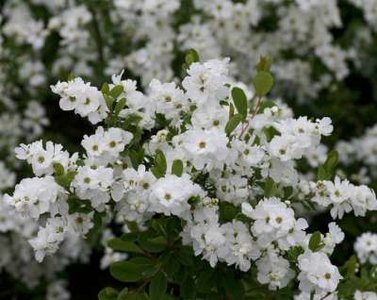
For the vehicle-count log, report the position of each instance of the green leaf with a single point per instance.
(131, 121)
(231, 110)
(228, 211)
(315, 242)
(133, 296)
(105, 88)
(322, 173)
(186, 256)
(116, 91)
(233, 123)
(109, 101)
(108, 294)
(270, 132)
(119, 106)
(65, 180)
(188, 290)
(58, 169)
(71, 76)
(206, 282)
(177, 167)
(240, 101)
(158, 286)
(294, 253)
(270, 187)
(76, 204)
(131, 270)
(191, 57)
(233, 287)
(266, 104)
(264, 64)
(327, 170)
(348, 270)
(124, 246)
(263, 82)
(159, 169)
(136, 157)
(123, 294)
(170, 264)
(154, 244)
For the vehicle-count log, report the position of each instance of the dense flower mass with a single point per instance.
(193, 152)
(184, 174)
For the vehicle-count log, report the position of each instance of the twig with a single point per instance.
(244, 129)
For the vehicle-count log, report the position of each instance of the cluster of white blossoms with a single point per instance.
(317, 273)
(182, 151)
(83, 99)
(18, 226)
(359, 295)
(361, 152)
(153, 31)
(366, 248)
(340, 195)
(184, 123)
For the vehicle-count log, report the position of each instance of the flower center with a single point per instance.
(202, 145)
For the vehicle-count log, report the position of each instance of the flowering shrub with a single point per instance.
(201, 187)
(202, 179)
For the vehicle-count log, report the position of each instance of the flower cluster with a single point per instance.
(239, 177)
(193, 152)
(145, 36)
(366, 248)
(341, 196)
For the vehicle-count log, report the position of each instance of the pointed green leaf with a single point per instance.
(158, 286)
(160, 165)
(263, 82)
(131, 270)
(58, 169)
(108, 294)
(240, 101)
(124, 246)
(191, 56)
(315, 242)
(233, 123)
(270, 187)
(105, 88)
(119, 106)
(177, 167)
(116, 91)
(109, 101)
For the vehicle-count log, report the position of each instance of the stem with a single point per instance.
(324, 297)
(98, 35)
(257, 106)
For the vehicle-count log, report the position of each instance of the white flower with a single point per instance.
(366, 248)
(170, 195)
(42, 159)
(107, 143)
(35, 196)
(58, 291)
(247, 209)
(274, 271)
(48, 238)
(359, 295)
(206, 148)
(85, 100)
(272, 219)
(205, 82)
(80, 223)
(333, 237)
(240, 248)
(168, 99)
(317, 273)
